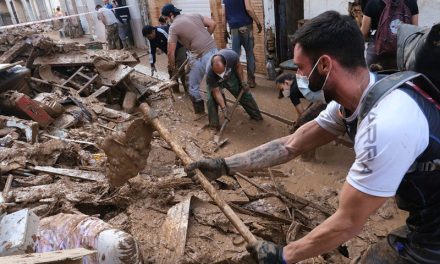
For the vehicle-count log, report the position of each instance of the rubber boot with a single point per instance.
(199, 107)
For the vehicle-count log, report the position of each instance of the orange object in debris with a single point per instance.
(33, 110)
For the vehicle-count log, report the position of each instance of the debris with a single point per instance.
(83, 175)
(110, 72)
(79, 73)
(84, 58)
(12, 53)
(71, 256)
(23, 106)
(18, 233)
(173, 234)
(30, 128)
(68, 231)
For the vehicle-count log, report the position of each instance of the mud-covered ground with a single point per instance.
(141, 206)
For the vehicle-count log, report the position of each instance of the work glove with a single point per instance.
(265, 252)
(211, 168)
(225, 113)
(245, 86)
(172, 71)
(153, 69)
(260, 28)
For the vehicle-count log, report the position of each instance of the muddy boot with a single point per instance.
(199, 107)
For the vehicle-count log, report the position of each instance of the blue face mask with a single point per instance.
(303, 86)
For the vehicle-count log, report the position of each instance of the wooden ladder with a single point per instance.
(79, 73)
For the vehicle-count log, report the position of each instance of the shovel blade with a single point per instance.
(127, 152)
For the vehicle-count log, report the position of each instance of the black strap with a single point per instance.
(382, 88)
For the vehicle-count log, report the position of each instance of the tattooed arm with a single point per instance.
(281, 150)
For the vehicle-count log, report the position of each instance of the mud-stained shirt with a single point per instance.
(387, 142)
(189, 30)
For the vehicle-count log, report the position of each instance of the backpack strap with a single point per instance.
(382, 88)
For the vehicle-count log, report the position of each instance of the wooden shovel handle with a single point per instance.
(206, 185)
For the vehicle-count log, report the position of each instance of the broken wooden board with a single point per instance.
(78, 174)
(13, 52)
(85, 58)
(173, 233)
(69, 256)
(111, 73)
(230, 196)
(45, 72)
(250, 190)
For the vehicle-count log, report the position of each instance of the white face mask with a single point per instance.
(303, 86)
(286, 92)
(221, 75)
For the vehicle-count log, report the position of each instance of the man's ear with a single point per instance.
(324, 64)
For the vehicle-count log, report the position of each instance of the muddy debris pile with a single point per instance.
(57, 109)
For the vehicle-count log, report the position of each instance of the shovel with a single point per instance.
(151, 122)
(225, 123)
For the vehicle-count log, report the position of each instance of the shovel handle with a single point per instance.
(206, 185)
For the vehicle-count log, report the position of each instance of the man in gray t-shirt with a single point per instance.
(226, 72)
(193, 31)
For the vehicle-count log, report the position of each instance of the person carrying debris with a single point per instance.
(110, 22)
(193, 31)
(226, 72)
(396, 131)
(158, 38)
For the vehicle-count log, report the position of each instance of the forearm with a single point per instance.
(239, 71)
(217, 94)
(251, 12)
(332, 233)
(171, 57)
(270, 154)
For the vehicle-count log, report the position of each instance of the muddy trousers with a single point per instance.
(244, 36)
(396, 250)
(112, 36)
(234, 87)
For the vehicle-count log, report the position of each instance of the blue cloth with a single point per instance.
(197, 72)
(236, 14)
(108, 6)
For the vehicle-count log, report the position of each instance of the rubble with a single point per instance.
(61, 125)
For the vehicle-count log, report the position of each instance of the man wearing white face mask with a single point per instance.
(288, 87)
(394, 122)
(226, 72)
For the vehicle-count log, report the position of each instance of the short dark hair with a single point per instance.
(147, 30)
(98, 6)
(334, 34)
(284, 77)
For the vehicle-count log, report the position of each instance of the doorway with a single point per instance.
(287, 15)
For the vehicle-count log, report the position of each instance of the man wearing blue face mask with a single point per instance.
(395, 127)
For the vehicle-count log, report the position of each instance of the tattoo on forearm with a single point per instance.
(264, 156)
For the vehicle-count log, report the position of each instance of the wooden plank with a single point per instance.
(59, 256)
(13, 52)
(85, 58)
(173, 234)
(230, 196)
(78, 174)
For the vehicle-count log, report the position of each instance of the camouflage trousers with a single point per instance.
(112, 35)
